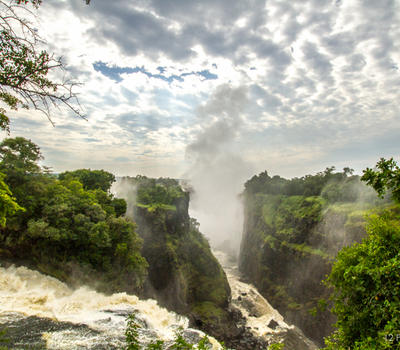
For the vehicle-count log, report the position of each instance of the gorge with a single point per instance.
(106, 265)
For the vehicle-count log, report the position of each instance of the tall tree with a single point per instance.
(24, 67)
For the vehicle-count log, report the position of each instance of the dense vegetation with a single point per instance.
(330, 185)
(66, 222)
(162, 193)
(366, 278)
(183, 273)
(293, 231)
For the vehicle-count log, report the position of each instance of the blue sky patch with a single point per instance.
(114, 73)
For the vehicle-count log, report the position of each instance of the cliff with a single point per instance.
(183, 274)
(290, 240)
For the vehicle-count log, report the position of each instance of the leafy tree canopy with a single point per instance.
(91, 179)
(19, 160)
(366, 283)
(385, 177)
(157, 193)
(65, 221)
(8, 205)
(331, 185)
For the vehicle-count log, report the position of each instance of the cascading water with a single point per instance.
(261, 320)
(40, 311)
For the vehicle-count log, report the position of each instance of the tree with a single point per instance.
(63, 222)
(18, 158)
(91, 179)
(365, 277)
(24, 67)
(385, 177)
(8, 205)
(366, 283)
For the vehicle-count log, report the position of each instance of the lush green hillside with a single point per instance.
(67, 229)
(293, 231)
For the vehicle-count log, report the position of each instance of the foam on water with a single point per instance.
(28, 292)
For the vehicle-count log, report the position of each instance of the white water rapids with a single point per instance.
(89, 320)
(261, 319)
(39, 311)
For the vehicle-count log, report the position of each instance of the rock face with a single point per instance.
(183, 274)
(289, 243)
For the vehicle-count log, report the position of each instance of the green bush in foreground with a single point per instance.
(132, 340)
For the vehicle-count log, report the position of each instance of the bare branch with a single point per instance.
(24, 70)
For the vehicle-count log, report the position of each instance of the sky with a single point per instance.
(185, 88)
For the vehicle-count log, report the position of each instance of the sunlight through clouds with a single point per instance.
(322, 78)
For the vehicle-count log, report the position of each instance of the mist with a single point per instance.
(343, 222)
(126, 189)
(218, 172)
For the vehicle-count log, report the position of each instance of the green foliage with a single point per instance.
(180, 343)
(3, 339)
(385, 177)
(295, 227)
(308, 185)
(18, 158)
(157, 345)
(64, 222)
(305, 249)
(365, 276)
(132, 339)
(366, 281)
(132, 333)
(276, 346)
(158, 193)
(333, 187)
(91, 179)
(8, 205)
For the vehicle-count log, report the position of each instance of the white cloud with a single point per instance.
(322, 77)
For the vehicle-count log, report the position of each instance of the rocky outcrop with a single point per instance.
(183, 274)
(288, 246)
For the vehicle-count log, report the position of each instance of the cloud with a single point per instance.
(281, 85)
(318, 62)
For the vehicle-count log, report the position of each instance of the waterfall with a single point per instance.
(40, 310)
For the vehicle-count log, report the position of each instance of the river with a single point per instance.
(40, 312)
(260, 319)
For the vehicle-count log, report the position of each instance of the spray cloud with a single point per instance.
(124, 188)
(218, 171)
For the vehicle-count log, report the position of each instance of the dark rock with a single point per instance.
(273, 324)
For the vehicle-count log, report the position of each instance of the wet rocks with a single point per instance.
(273, 324)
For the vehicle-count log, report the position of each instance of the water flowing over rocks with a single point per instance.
(38, 310)
(260, 324)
